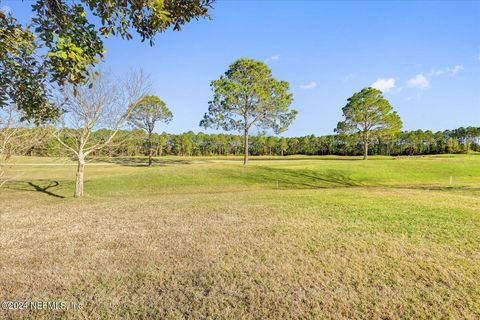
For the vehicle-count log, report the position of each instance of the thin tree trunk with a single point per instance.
(150, 149)
(245, 137)
(79, 177)
(245, 147)
(365, 149)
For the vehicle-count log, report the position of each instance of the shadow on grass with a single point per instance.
(217, 179)
(287, 158)
(44, 189)
(298, 179)
(281, 178)
(40, 186)
(140, 162)
(436, 187)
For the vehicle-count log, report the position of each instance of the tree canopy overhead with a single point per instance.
(248, 95)
(61, 44)
(369, 115)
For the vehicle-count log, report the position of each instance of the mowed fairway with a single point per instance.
(192, 238)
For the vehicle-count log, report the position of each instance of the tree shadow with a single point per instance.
(292, 158)
(330, 179)
(140, 162)
(45, 189)
(301, 178)
(436, 187)
(298, 178)
(20, 185)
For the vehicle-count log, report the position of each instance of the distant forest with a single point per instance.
(135, 143)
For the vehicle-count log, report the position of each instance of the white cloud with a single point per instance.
(273, 58)
(310, 85)
(384, 85)
(419, 81)
(422, 80)
(454, 70)
(448, 70)
(435, 72)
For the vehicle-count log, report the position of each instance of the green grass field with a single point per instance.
(295, 237)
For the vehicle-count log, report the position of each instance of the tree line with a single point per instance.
(50, 85)
(135, 142)
(246, 96)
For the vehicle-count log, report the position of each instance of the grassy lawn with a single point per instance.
(294, 237)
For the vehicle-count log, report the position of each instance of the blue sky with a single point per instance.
(425, 56)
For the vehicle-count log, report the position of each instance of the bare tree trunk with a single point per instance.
(365, 149)
(79, 177)
(245, 147)
(150, 149)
